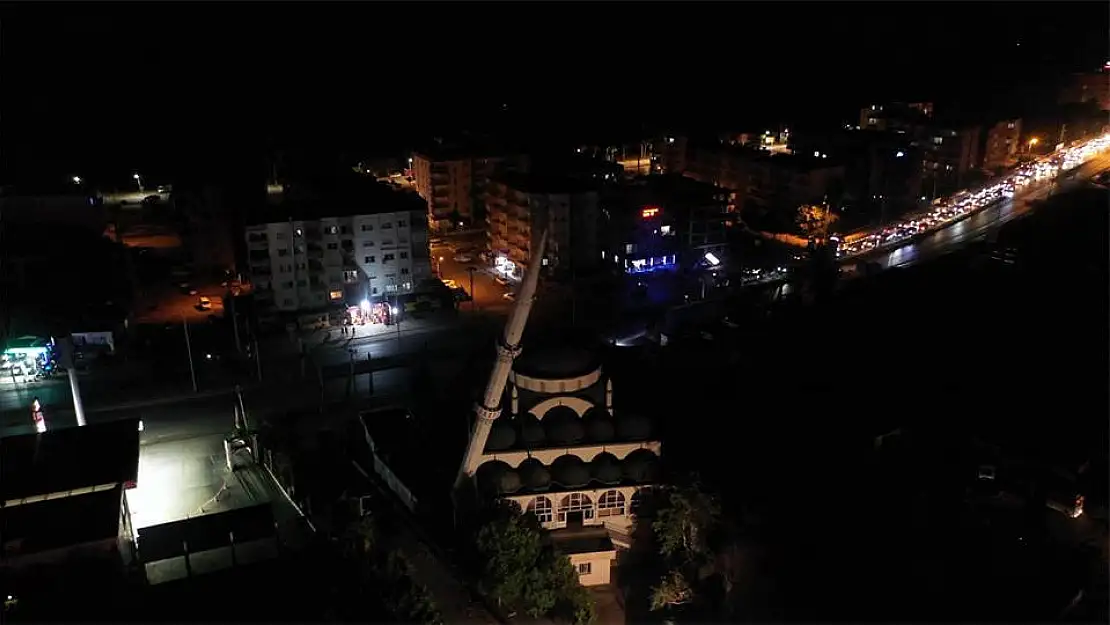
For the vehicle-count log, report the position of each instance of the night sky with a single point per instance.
(104, 89)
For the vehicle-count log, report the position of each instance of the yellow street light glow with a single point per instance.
(1034, 141)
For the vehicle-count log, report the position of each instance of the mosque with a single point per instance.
(546, 437)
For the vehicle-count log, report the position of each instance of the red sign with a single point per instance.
(650, 212)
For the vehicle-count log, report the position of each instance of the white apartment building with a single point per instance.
(313, 263)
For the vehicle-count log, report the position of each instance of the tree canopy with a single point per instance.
(523, 572)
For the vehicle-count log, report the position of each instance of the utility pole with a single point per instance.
(257, 360)
(234, 321)
(189, 351)
(473, 298)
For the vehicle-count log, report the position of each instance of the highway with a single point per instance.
(981, 222)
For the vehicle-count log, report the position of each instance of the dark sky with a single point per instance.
(110, 87)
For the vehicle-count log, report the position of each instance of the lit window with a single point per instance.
(576, 502)
(611, 504)
(334, 295)
(665, 229)
(300, 232)
(629, 248)
(542, 508)
(583, 568)
(331, 230)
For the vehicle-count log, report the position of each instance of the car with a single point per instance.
(204, 304)
(510, 296)
(464, 258)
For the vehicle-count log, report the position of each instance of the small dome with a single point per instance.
(502, 435)
(497, 478)
(570, 471)
(599, 425)
(533, 475)
(531, 432)
(605, 468)
(563, 426)
(633, 428)
(641, 466)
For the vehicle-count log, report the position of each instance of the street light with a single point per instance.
(138, 180)
(76, 180)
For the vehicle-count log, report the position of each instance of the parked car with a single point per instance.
(204, 304)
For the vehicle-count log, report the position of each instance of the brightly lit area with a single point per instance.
(203, 503)
(949, 210)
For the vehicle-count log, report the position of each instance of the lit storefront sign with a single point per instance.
(649, 213)
(645, 265)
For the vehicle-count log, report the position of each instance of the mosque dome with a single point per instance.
(641, 466)
(598, 425)
(562, 426)
(497, 478)
(531, 431)
(533, 475)
(605, 468)
(569, 471)
(559, 362)
(502, 435)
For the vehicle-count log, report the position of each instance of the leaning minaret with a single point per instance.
(489, 408)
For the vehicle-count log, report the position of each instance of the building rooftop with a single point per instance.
(584, 540)
(69, 459)
(339, 198)
(546, 183)
(422, 458)
(56, 523)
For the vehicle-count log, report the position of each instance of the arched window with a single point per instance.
(576, 502)
(542, 508)
(611, 504)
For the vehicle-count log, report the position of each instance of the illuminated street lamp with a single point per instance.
(138, 180)
(76, 180)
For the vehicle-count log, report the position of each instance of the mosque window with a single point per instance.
(611, 504)
(576, 502)
(542, 508)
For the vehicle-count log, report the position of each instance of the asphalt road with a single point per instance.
(981, 223)
(488, 294)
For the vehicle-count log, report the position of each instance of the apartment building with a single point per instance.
(1003, 145)
(519, 207)
(898, 116)
(1093, 87)
(314, 253)
(453, 181)
(662, 222)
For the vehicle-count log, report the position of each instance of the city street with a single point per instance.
(488, 293)
(983, 222)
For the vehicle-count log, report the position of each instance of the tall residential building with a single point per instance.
(521, 206)
(314, 253)
(1003, 144)
(453, 180)
(897, 116)
(1088, 87)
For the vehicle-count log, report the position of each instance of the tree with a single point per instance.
(524, 572)
(371, 578)
(673, 590)
(815, 220)
(687, 527)
(683, 525)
